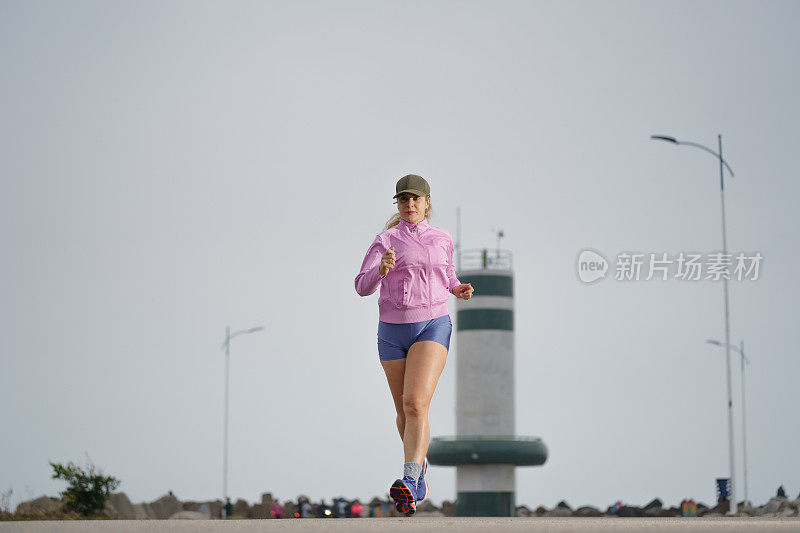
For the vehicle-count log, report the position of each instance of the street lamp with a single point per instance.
(226, 346)
(722, 164)
(744, 359)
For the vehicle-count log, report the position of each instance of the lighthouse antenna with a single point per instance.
(458, 238)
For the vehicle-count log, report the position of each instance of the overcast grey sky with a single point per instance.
(169, 168)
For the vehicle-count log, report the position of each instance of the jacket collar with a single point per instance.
(421, 226)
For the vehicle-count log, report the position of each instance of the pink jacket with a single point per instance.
(418, 286)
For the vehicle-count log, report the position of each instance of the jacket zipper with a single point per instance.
(428, 269)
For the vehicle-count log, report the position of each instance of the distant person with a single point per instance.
(412, 262)
(341, 508)
(323, 511)
(305, 509)
(689, 507)
(356, 509)
(781, 493)
(276, 509)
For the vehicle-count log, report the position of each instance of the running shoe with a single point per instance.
(403, 492)
(422, 484)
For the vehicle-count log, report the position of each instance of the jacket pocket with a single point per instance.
(441, 297)
(406, 288)
(440, 284)
(416, 288)
(397, 288)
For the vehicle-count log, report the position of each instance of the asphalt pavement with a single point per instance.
(412, 524)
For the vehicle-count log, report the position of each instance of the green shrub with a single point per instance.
(87, 490)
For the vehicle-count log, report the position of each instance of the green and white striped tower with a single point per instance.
(485, 449)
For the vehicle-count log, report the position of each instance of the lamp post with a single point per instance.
(722, 164)
(744, 359)
(226, 346)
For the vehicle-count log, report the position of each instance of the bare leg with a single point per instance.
(395, 370)
(424, 365)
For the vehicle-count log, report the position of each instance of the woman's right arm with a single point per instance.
(369, 278)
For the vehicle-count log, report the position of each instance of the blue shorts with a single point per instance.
(394, 340)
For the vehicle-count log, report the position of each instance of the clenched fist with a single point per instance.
(387, 261)
(463, 291)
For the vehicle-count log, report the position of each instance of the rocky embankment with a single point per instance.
(118, 506)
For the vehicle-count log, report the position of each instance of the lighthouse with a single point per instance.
(486, 449)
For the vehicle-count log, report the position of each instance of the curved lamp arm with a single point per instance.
(241, 332)
(731, 346)
(709, 150)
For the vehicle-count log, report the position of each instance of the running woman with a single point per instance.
(412, 262)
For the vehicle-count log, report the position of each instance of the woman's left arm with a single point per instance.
(456, 288)
(451, 269)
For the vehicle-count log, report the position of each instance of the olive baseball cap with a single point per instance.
(412, 184)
